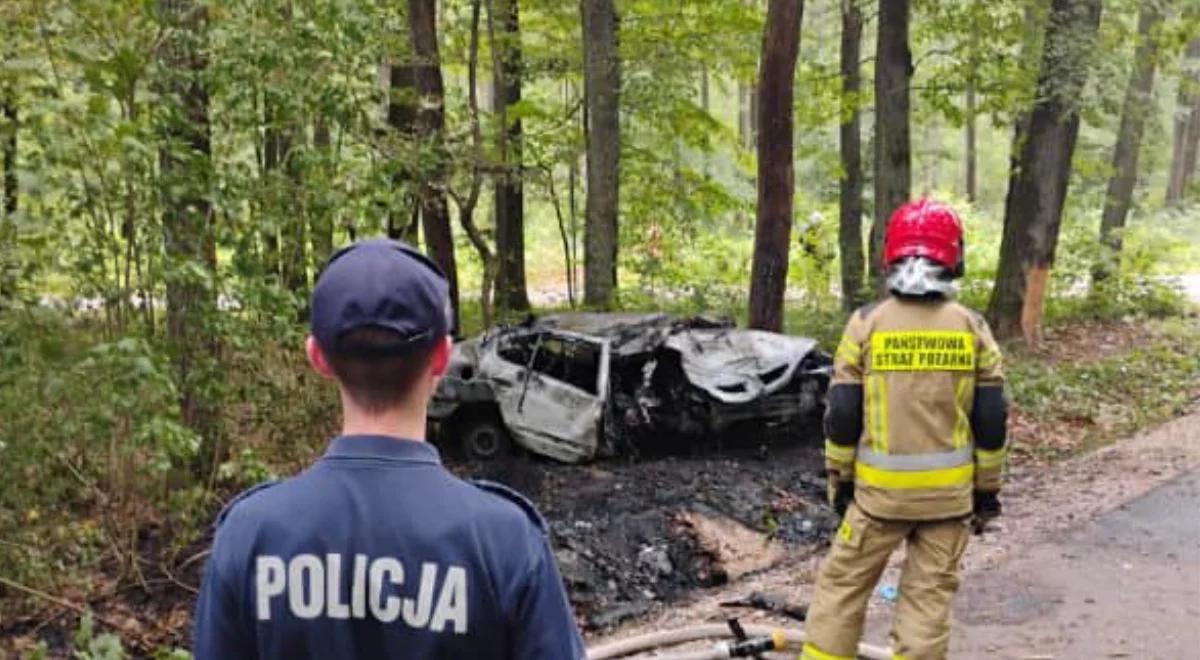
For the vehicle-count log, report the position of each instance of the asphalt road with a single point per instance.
(1126, 585)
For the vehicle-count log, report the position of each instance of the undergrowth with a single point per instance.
(1075, 406)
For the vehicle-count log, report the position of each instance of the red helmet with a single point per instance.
(925, 228)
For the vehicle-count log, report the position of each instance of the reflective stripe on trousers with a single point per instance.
(811, 652)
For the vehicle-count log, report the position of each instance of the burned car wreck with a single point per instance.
(578, 386)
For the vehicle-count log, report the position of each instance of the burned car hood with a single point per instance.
(737, 366)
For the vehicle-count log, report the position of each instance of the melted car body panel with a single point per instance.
(551, 387)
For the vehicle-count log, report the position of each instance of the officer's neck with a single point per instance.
(403, 422)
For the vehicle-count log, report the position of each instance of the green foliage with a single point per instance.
(991, 47)
(1162, 242)
(40, 652)
(115, 438)
(1124, 297)
(90, 646)
(1156, 248)
(116, 460)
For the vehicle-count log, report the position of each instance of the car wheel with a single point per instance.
(485, 440)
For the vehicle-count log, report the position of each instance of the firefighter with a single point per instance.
(915, 443)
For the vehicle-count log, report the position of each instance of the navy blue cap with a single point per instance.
(381, 283)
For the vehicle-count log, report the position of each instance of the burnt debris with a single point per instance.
(630, 536)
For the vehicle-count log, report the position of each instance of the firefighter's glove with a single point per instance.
(987, 509)
(840, 493)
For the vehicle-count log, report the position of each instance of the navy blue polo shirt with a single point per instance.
(377, 551)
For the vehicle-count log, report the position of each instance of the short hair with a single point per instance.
(374, 377)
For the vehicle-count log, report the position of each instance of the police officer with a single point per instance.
(915, 444)
(376, 550)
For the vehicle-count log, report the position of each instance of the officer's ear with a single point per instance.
(317, 359)
(440, 360)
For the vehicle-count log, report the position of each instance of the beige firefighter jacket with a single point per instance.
(920, 365)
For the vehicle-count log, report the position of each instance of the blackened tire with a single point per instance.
(484, 439)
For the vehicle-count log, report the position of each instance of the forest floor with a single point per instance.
(655, 543)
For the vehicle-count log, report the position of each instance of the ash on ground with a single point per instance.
(632, 535)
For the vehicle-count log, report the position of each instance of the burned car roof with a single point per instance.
(735, 366)
(602, 324)
(629, 333)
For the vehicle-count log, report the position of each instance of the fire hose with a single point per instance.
(760, 640)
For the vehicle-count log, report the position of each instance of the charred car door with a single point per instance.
(551, 387)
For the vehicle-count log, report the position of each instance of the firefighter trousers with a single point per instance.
(928, 580)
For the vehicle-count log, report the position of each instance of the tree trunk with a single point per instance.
(746, 111)
(1038, 188)
(1129, 142)
(970, 155)
(185, 163)
(11, 118)
(403, 219)
(893, 166)
(275, 148)
(8, 212)
(747, 107)
(295, 232)
(510, 199)
(602, 71)
(773, 228)
(1035, 36)
(572, 256)
(322, 219)
(850, 202)
(1187, 127)
(1191, 148)
(706, 106)
(466, 206)
(431, 127)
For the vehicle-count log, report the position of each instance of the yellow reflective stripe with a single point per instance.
(913, 479)
(839, 453)
(883, 414)
(962, 421)
(811, 652)
(848, 359)
(849, 345)
(849, 351)
(845, 531)
(873, 411)
(988, 459)
(989, 358)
